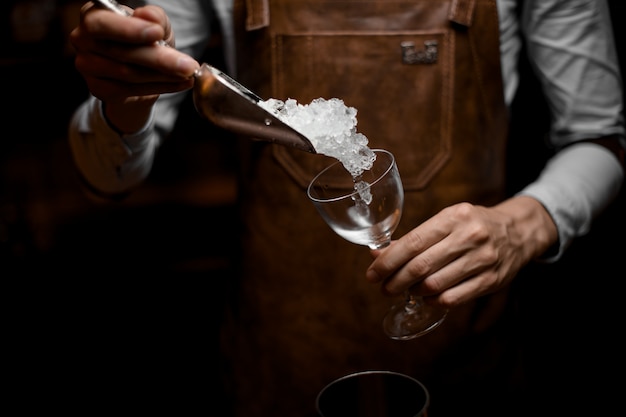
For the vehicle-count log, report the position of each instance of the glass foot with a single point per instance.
(404, 321)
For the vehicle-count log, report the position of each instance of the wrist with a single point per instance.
(532, 224)
(129, 116)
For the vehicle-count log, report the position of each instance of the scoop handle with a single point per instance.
(113, 6)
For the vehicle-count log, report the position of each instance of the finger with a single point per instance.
(103, 24)
(443, 277)
(109, 79)
(107, 91)
(469, 289)
(445, 264)
(376, 252)
(407, 247)
(481, 272)
(158, 63)
(157, 15)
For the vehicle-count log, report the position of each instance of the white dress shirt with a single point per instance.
(571, 48)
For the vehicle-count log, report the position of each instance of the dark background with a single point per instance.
(115, 306)
(571, 312)
(109, 307)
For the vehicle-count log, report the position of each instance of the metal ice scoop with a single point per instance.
(232, 106)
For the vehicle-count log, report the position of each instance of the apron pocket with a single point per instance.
(399, 82)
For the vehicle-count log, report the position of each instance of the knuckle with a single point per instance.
(415, 242)
(489, 256)
(449, 300)
(463, 211)
(420, 266)
(431, 286)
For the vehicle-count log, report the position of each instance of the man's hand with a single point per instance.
(465, 251)
(122, 64)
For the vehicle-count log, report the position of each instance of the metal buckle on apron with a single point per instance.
(410, 55)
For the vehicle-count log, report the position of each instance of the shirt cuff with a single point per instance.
(109, 162)
(575, 186)
(134, 142)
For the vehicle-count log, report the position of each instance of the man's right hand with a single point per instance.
(122, 64)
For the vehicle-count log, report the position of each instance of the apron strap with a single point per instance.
(258, 14)
(462, 11)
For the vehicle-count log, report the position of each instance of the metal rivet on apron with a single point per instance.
(410, 55)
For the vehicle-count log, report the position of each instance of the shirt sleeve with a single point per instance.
(572, 50)
(109, 162)
(574, 187)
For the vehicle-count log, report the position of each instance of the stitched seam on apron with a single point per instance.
(448, 99)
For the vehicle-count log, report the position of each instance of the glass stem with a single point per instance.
(411, 302)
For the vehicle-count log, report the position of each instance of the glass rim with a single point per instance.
(375, 372)
(353, 192)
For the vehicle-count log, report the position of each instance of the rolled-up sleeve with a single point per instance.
(572, 50)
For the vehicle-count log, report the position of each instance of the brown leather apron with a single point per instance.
(424, 76)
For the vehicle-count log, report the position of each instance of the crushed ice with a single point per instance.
(330, 126)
